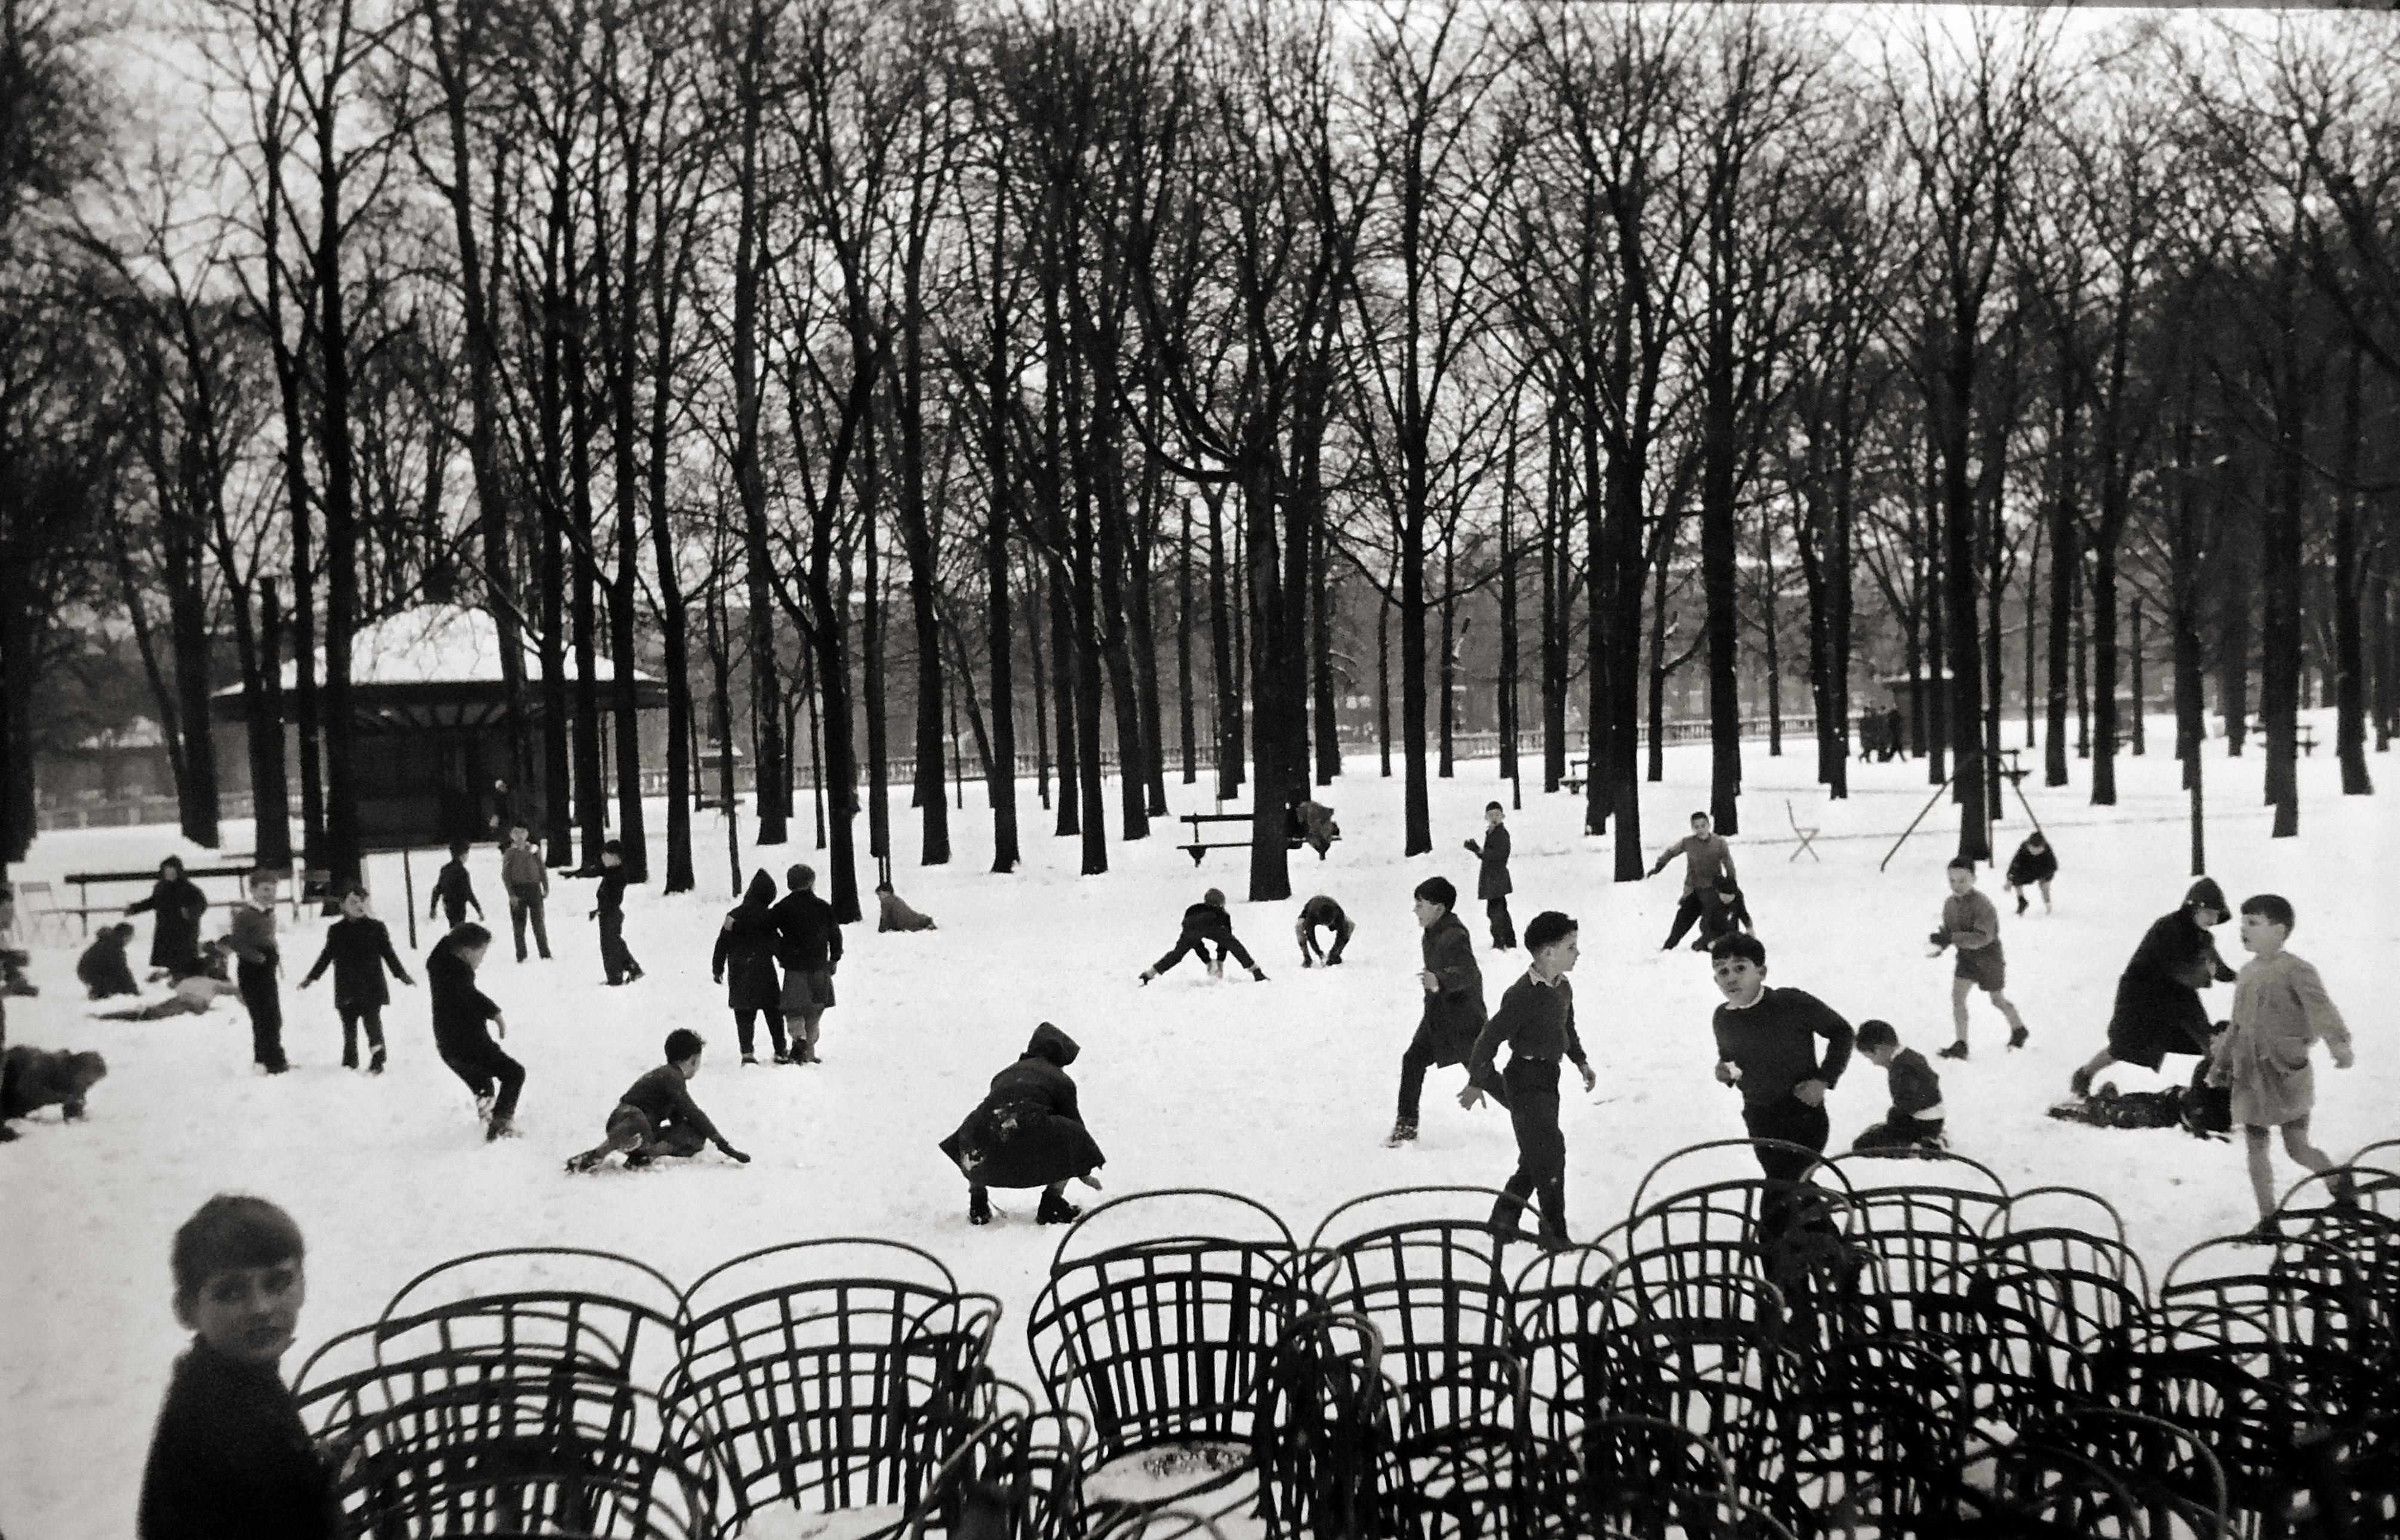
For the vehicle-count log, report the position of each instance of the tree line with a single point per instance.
(1155, 367)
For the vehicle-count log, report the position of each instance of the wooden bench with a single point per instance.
(1200, 845)
(83, 908)
(1573, 782)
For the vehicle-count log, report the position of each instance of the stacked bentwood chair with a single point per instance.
(1890, 1348)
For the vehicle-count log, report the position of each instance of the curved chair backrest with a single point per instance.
(1940, 1170)
(2076, 1253)
(1170, 1214)
(1430, 1204)
(1422, 1282)
(1728, 1160)
(2058, 1208)
(828, 1258)
(1323, 1429)
(538, 1305)
(2171, 1470)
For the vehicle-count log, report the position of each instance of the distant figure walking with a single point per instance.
(810, 949)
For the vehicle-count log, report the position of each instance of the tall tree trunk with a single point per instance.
(876, 625)
(2282, 530)
(1417, 818)
(2139, 735)
(2349, 661)
(344, 857)
(1065, 698)
(1718, 452)
(271, 795)
(2104, 674)
(1183, 647)
(1039, 617)
(1320, 648)
(1449, 652)
(999, 629)
(769, 756)
(187, 624)
(2237, 514)
(1508, 662)
(1220, 646)
(591, 802)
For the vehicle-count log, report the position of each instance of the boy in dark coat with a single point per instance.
(1454, 1005)
(103, 968)
(656, 1116)
(2034, 864)
(1767, 1046)
(1204, 923)
(1492, 883)
(453, 891)
(811, 951)
(744, 963)
(1972, 922)
(460, 1012)
(1027, 1132)
(1536, 1020)
(178, 902)
(1707, 862)
(257, 959)
(2157, 1009)
(610, 911)
(1321, 910)
(359, 949)
(1915, 1121)
(230, 1459)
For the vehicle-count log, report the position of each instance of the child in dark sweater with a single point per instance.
(1536, 1020)
(610, 911)
(258, 960)
(103, 969)
(1766, 1047)
(1204, 923)
(1915, 1121)
(453, 891)
(460, 1012)
(656, 1116)
(358, 947)
(230, 1459)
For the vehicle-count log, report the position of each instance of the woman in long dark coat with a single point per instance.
(1028, 1133)
(175, 942)
(744, 963)
(2158, 1009)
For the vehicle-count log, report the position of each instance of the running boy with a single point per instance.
(358, 949)
(528, 881)
(230, 1454)
(1205, 923)
(453, 891)
(1915, 1121)
(252, 937)
(1971, 923)
(460, 1012)
(1537, 1019)
(614, 954)
(1492, 883)
(1324, 911)
(1454, 1004)
(1767, 1046)
(1708, 860)
(656, 1116)
(2281, 1009)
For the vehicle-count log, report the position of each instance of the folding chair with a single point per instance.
(1808, 836)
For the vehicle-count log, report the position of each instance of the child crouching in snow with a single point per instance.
(1028, 1133)
(1914, 1122)
(2280, 1011)
(656, 1116)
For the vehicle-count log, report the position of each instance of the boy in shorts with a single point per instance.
(1971, 923)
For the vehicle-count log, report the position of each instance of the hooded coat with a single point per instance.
(175, 943)
(1028, 1131)
(2157, 1009)
(745, 950)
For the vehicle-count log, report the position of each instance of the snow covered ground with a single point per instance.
(1280, 1090)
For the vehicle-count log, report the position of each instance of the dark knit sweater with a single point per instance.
(1774, 1043)
(1536, 1020)
(231, 1460)
(1915, 1086)
(664, 1097)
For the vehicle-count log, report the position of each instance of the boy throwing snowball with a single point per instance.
(1971, 923)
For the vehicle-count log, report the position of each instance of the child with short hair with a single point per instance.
(1767, 1048)
(231, 1455)
(1971, 923)
(251, 938)
(2281, 1009)
(1205, 923)
(1707, 861)
(1536, 1020)
(528, 881)
(656, 1116)
(2032, 866)
(358, 947)
(453, 891)
(1915, 1121)
(614, 954)
(103, 969)
(1492, 883)
(1453, 1019)
(460, 1012)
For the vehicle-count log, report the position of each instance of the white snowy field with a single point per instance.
(1282, 1090)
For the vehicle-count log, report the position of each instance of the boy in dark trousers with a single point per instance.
(1766, 1047)
(1321, 911)
(1723, 911)
(251, 938)
(453, 891)
(610, 911)
(1204, 923)
(528, 881)
(1454, 1000)
(1914, 1122)
(656, 1116)
(2034, 864)
(460, 1012)
(1536, 1020)
(359, 949)
(1970, 923)
(810, 947)
(1707, 861)
(231, 1455)
(103, 968)
(1492, 883)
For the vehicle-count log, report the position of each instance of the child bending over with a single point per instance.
(1915, 1121)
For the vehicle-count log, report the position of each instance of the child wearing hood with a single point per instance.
(745, 950)
(1028, 1133)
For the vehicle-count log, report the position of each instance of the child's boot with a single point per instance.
(499, 1128)
(2017, 1036)
(1056, 1210)
(1955, 1049)
(978, 1205)
(1259, 974)
(1404, 1131)
(375, 1065)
